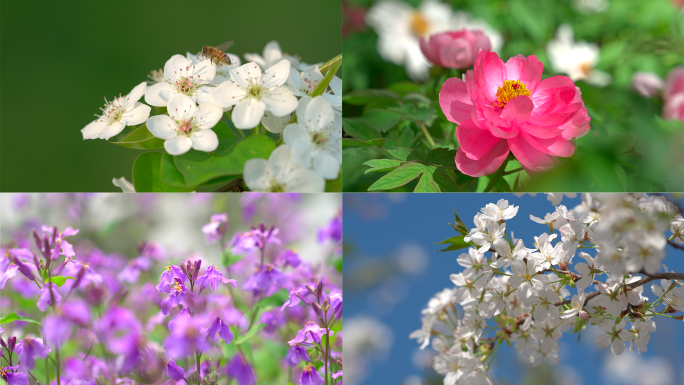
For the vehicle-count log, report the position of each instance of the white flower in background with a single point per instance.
(124, 185)
(615, 336)
(440, 301)
(316, 138)
(576, 59)
(645, 251)
(275, 124)
(586, 6)
(187, 125)
(155, 76)
(454, 365)
(677, 228)
(525, 277)
(547, 332)
(557, 198)
(273, 54)
(182, 77)
(253, 92)
(463, 19)
(548, 253)
(612, 298)
(543, 302)
(536, 355)
(506, 255)
(423, 334)
(576, 305)
(474, 262)
(121, 112)
(470, 286)
(499, 211)
(641, 329)
(223, 70)
(400, 27)
(572, 234)
(281, 174)
(305, 82)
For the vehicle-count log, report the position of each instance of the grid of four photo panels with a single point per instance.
(193, 231)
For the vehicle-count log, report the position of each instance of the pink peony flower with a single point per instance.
(454, 49)
(507, 107)
(646, 83)
(673, 95)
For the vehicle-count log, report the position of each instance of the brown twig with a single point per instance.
(676, 246)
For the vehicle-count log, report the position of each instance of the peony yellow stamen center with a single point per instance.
(509, 90)
(419, 25)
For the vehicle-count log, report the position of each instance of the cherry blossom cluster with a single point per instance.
(524, 296)
(273, 91)
(82, 316)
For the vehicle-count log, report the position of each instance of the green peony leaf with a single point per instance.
(442, 157)
(398, 177)
(141, 139)
(382, 165)
(361, 97)
(381, 120)
(360, 129)
(347, 142)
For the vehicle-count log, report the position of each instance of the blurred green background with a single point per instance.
(59, 59)
(629, 148)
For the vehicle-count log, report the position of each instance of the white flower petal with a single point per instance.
(256, 58)
(247, 114)
(124, 185)
(272, 52)
(257, 175)
(319, 114)
(302, 153)
(246, 74)
(301, 110)
(336, 85)
(178, 145)
(603, 340)
(207, 115)
(202, 95)
(181, 107)
(162, 127)
(275, 124)
(305, 181)
(227, 94)
(293, 133)
(204, 140)
(280, 162)
(617, 346)
(326, 165)
(205, 70)
(136, 93)
(178, 64)
(93, 129)
(112, 130)
(277, 75)
(158, 95)
(280, 101)
(136, 115)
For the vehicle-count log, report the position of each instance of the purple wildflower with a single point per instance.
(212, 277)
(266, 280)
(45, 298)
(219, 326)
(297, 294)
(239, 369)
(290, 258)
(273, 320)
(7, 271)
(295, 355)
(174, 371)
(217, 226)
(310, 376)
(152, 250)
(310, 334)
(28, 349)
(120, 331)
(56, 330)
(186, 337)
(179, 295)
(13, 378)
(332, 231)
(167, 278)
(131, 272)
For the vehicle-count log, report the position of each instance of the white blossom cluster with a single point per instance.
(272, 89)
(519, 295)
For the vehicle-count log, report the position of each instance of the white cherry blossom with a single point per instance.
(187, 125)
(253, 93)
(525, 277)
(506, 256)
(182, 77)
(117, 114)
(674, 298)
(576, 305)
(281, 174)
(614, 336)
(588, 271)
(316, 138)
(499, 211)
(487, 238)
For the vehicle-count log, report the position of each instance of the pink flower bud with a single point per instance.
(584, 315)
(673, 95)
(456, 49)
(647, 83)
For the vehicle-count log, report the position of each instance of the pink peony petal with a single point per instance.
(454, 100)
(486, 165)
(540, 131)
(557, 146)
(528, 70)
(674, 83)
(489, 73)
(518, 109)
(503, 132)
(577, 126)
(475, 142)
(528, 156)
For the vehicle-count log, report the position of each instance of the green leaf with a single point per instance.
(228, 258)
(398, 177)
(169, 172)
(320, 88)
(622, 176)
(147, 174)
(459, 225)
(347, 142)
(381, 120)
(251, 333)
(406, 154)
(229, 158)
(382, 165)
(455, 243)
(59, 281)
(11, 317)
(141, 139)
(360, 129)
(442, 157)
(435, 180)
(361, 97)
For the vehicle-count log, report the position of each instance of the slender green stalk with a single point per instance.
(427, 134)
(496, 176)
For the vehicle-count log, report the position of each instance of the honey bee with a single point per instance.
(216, 54)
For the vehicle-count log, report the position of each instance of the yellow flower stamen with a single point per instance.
(509, 90)
(419, 25)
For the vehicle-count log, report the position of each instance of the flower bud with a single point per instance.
(319, 289)
(35, 262)
(317, 309)
(79, 277)
(2, 342)
(59, 268)
(454, 49)
(306, 301)
(23, 268)
(326, 303)
(36, 239)
(195, 274)
(54, 235)
(584, 315)
(647, 83)
(310, 289)
(12, 343)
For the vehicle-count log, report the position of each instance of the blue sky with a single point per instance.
(381, 227)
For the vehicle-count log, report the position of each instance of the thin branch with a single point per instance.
(675, 245)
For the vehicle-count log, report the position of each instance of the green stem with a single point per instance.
(57, 364)
(496, 176)
(240, 132)
(427, 134)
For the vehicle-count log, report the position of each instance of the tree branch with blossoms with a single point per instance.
(529, 305)
(198, 108)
